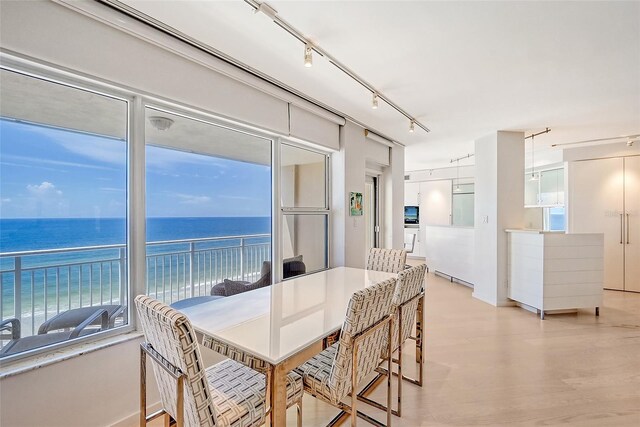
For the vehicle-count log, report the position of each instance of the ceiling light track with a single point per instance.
(273, 14)
(173, 33)
(630, 140)
(547, 130)
(468, 156)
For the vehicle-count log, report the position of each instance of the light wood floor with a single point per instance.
(504, 366)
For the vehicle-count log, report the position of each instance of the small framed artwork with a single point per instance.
(355, 204)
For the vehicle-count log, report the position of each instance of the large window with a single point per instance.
(208, 192)
(305, 206)
(63, 185)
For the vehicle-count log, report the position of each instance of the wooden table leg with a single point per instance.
(279, 395)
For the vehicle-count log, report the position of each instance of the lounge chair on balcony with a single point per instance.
(64, 326)
(290, 267)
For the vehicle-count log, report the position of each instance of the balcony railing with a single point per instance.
(37, 285)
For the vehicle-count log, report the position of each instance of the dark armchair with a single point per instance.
(291, 267)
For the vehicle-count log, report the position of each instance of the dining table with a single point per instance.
(284, 324)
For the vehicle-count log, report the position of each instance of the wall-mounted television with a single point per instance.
(411, 215)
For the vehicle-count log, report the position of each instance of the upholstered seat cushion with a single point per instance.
(238, 393)
(316, 372)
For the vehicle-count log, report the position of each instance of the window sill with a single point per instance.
(18, 367)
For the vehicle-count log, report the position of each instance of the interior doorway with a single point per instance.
(372, 211)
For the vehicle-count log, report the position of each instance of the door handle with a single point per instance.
(621, 229)
(628, 229)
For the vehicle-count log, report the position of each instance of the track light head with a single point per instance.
(374, 101)
(412, 126)
(308, 55)
(630, 142)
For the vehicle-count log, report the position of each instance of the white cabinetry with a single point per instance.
(547, 190)
(604, 197)
(435, 202)
(555, 271)
(411, 190)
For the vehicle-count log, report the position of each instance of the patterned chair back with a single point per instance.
(387, 260)
(366, 307)
(409, 285)
(170, 334)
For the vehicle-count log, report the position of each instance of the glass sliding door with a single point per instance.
(305, 208)
(63, 185)
(208, 200)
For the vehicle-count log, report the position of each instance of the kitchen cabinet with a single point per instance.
(604, 197)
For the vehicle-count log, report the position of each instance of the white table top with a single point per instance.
(277, 321)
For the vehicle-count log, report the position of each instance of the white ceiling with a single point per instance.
(464, 69)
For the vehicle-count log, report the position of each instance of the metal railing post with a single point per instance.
(192, 253)
(241, 259)
(123, 275)
(17, 289)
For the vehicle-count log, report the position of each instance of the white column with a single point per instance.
(499, 205)
(393, 177)
(348, 239)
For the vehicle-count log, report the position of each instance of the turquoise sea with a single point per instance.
(50, 283)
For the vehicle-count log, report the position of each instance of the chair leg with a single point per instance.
(299, 412)
(389, 367)
(354, 376)
(399, 411)
(143, 388)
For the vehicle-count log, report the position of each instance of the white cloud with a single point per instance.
(192, 199)
(7, 200)
(44, 189)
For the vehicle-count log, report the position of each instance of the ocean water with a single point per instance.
(52, 283)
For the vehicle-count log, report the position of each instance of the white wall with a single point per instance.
(499, 204)
(98, 388)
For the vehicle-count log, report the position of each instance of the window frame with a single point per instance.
(76, 81)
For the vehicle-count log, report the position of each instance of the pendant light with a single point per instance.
(308, 55)
(534, 177)
(457, 189)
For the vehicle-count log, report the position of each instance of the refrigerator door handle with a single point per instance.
(621, 229)
(628, 229)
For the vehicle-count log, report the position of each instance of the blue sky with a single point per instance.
(48, 173)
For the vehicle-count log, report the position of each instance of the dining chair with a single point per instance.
(407, 299)
(225, 394)
(335, 372)
(387, 260)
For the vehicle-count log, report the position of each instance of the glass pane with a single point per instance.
(554, 219)
(462, 209)
(208, 206)
(549, 187)
(530, 191)
(63, 181)
(560, 186)
(303, 178)
(304, 238)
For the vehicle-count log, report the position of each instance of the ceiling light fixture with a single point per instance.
(412, 127)
(468, 156)
(308, 55)
(630, 142)
(160, 123)
(273, 14)
(534, 177)
(374, 101)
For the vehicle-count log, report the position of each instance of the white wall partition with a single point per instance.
(450, 251)
(499, 204)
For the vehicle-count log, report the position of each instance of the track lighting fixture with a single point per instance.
(308, 55)
(630, 142)
(412, 126)
(374, 101)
